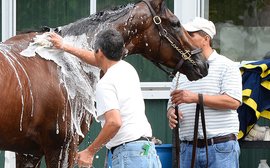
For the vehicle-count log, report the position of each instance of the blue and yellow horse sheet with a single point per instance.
(256, 94)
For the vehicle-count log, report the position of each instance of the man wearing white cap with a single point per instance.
(222, 95)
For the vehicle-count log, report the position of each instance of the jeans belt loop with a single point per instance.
(212, 141)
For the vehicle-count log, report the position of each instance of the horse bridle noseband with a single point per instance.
(186, 54)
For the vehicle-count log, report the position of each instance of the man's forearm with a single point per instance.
(83, 54)
(107, 132)
(221, 102)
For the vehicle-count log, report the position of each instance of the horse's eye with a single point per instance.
(176, 24)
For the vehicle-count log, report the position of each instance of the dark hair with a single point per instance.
(111, 44)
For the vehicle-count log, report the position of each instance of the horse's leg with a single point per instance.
(27, 161)
(52, 158)
(73, 147)
(63, 157)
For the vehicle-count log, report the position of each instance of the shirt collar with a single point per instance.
(213, 56)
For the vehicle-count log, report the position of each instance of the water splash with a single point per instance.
(28, 80)
(4, 50)
(57, 125)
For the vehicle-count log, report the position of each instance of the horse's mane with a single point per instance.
(39, 30)
(90, 23)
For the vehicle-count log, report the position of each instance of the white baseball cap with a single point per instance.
(201, 24)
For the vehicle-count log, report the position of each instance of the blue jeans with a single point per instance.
(131, 155)
(225, 155)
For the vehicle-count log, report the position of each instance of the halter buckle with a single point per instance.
(157, 20)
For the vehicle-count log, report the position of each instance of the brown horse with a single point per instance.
(42, 113)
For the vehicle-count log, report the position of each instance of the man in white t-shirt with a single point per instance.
(120, 106)
(222, 92)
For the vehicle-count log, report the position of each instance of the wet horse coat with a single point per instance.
(37, 110)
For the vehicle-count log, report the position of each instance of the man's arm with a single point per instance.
(85, 55)
(112, 125)
(223, 101)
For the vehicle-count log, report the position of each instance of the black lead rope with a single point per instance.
(199, 108)
(176, 142)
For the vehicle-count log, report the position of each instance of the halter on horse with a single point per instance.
(40, 112)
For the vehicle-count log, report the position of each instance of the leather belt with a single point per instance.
(139, 139)
(212, 141)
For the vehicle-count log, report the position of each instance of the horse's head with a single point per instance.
(148, 28)
(157, 32)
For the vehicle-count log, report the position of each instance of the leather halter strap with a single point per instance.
(199, 108)
(185, 54)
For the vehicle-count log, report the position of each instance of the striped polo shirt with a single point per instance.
(223, 77)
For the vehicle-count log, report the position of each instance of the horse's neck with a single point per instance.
(90, 26)
(100, 20)
(86, 39)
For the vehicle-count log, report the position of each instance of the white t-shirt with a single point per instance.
(223, 77)
(120, 89)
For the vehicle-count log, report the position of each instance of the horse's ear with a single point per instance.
(155, 1)
(45, 29)
(157, 4)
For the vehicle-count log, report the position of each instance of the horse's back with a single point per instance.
(31, 95)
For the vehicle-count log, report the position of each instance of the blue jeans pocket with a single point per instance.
(225, 147)
(132, 155)
(116, 161)
(183, 148)
(139, 160)
(226, 155)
